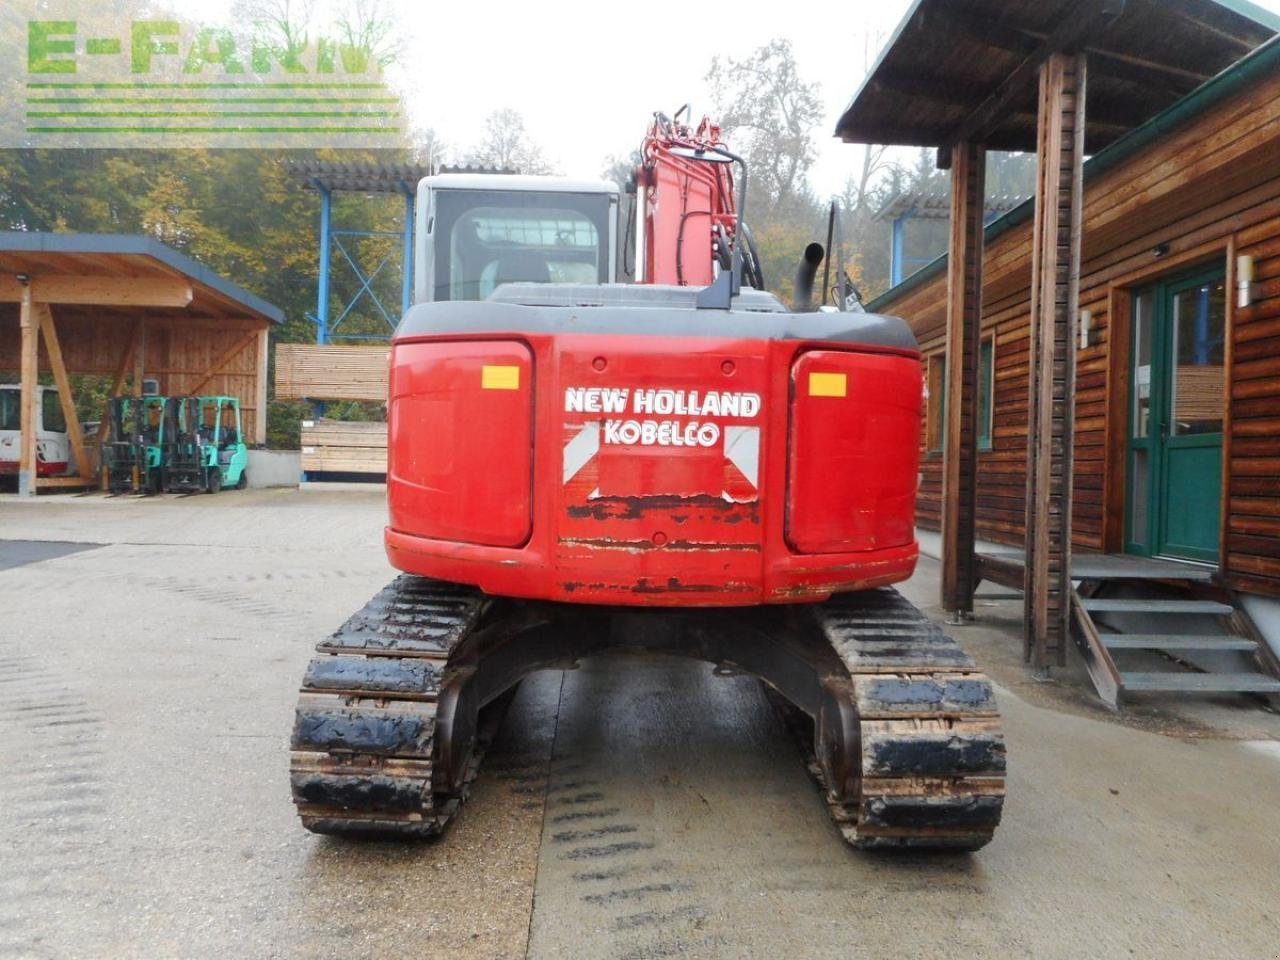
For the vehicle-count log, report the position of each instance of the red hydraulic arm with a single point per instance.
(688, 220)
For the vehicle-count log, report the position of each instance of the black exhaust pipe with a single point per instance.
(802, 300)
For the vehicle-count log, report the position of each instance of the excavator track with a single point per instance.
(905, 736)
(926, 755)
(364, 757)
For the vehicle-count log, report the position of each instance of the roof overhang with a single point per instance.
(958, 70)
(1252, 69)
(362, 177)
(115, 263)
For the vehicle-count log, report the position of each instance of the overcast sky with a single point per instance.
(587, 75)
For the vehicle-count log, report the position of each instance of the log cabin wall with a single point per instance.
(1205, 192)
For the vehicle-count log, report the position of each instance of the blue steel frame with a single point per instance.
(331, 237)
(898, 259)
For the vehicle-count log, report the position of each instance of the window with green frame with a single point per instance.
(936, 413)
(986, 390)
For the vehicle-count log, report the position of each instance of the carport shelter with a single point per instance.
(117, 305)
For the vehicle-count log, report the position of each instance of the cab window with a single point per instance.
(484, 240)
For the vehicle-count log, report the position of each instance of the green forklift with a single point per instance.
(206, 449)
(133, 451)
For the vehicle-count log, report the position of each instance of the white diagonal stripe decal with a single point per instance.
(579, 451)
(742, 449)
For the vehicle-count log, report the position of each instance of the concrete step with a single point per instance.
(1128, 605)
(1158, 641)
(1088, 567)
(1201, 682)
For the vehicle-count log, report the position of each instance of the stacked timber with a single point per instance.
(306, 371)
(344, 446)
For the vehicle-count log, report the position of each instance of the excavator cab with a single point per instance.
(476, 232)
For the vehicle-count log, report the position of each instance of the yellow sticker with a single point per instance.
(828, 385)
(499, 378)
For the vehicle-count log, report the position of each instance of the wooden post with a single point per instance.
(260, 394)
(29, 415)
(1055, 299)
(964, 338)
(140, 359)
(54, 349)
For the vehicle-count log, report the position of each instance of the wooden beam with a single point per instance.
(1055, 303)
(226, 357)
(30, 396)
(1202, 26)
(1108, 58)
(964, 337)
(53, 348)
(64, 482)
(100, 291)
(1078, 23)
(260, 409)
(1112, 63)
(929, 85)
(126, 359)
(140, 359)
(985, 31)
(1171, 82)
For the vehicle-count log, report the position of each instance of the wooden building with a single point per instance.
(129, 308)
(1103, 359)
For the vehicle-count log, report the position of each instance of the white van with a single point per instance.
(53, 448)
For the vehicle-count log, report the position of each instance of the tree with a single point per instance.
(368, 27)
(506, 145)
(283, 26)
(429, 147)
(1010, 174)
(768, 113)
(620, 168)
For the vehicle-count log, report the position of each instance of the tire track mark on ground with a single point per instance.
(53, 794)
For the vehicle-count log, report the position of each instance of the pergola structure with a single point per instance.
(330, 177)
(929, 206)
(124, 306)
(1064, 78)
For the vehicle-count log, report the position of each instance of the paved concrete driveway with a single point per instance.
(630, 808)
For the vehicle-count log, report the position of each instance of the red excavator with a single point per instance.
(679, 465)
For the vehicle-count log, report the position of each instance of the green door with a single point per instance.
(1175, 418)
